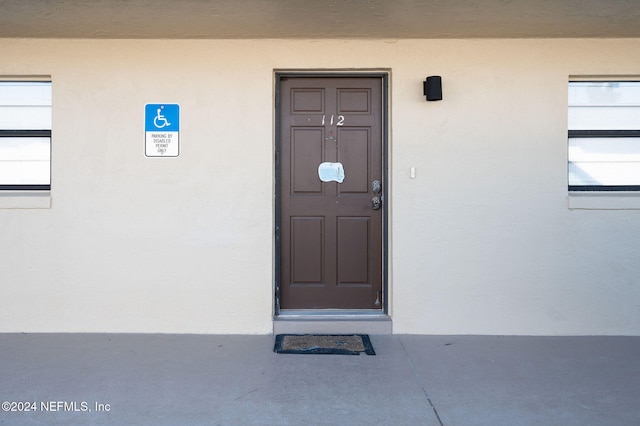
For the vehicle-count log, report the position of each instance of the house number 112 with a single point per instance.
(339, 121)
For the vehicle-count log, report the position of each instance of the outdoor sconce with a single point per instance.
(433, 88)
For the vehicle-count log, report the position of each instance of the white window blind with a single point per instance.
(25, 135)
(604, 136)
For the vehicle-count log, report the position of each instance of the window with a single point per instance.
(604, 136)
(25, 135)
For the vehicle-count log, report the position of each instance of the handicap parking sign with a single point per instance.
(162, 130)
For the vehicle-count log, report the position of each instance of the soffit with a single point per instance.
(304, 19)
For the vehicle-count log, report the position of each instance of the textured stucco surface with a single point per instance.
(482, 241)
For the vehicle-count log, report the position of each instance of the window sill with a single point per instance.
(604, 201)
(25, 199)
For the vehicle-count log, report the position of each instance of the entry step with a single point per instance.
(332, 322)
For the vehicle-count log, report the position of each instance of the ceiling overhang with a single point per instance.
(302, 19)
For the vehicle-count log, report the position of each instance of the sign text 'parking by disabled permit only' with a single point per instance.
(162, 130)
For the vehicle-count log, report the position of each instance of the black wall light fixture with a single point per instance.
(433, 88)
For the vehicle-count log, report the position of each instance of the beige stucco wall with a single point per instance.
(482, 241)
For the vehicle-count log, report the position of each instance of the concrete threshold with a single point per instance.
(332, 321)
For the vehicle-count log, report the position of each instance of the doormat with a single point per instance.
(328, 344)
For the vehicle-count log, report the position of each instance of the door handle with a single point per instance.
(376, 203)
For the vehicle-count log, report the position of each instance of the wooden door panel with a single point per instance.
(330, 237)
(307, 101)
(306, 147)
(353, 249)
(307, 241)
(354, 101)
(355, 155)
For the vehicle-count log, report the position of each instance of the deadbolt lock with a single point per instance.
(376, 186)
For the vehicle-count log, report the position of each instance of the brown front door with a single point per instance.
(330, 162)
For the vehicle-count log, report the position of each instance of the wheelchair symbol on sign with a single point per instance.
(160, 120)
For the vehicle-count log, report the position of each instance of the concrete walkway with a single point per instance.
(115, 379)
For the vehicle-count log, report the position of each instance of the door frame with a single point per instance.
(384, 77)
